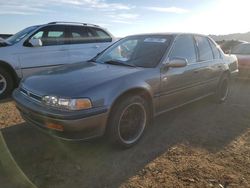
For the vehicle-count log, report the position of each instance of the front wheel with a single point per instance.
(222, 91)
(128, 120)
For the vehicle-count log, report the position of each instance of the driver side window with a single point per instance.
(184, 48)
(38, 35)
(51, 35)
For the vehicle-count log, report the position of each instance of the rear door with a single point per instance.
(86, 42)
(205, 70)
(217, 64)
(53, 52)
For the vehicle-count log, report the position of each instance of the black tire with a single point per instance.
(222, 90)
(116, 129)
(6, 83)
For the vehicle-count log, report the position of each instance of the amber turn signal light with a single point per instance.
(82, 104)
(54, 126)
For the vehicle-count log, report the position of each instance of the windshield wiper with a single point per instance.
(114, 62)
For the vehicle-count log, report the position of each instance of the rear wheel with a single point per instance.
(128, 121)
(6, 83)
(222, 89)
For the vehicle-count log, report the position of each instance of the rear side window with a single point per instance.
(79, 35)
(52, 35)
(215, 50)
(204, 49)
(99, 35)
(184, 48)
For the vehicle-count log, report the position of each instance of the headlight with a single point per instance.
(70, 104)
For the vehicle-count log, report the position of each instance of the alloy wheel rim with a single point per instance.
(3, 84)
(132, 123)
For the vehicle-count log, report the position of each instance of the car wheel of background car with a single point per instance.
(128, 120)
(222, 89)
(6, 83)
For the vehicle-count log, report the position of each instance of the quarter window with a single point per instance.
(204, 49)
(184, 48)
(98, 35)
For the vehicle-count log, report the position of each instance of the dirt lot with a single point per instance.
(200, 145)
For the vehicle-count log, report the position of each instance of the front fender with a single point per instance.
(107, 93)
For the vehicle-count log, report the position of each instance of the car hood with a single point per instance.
(73, 80)
(3, 42)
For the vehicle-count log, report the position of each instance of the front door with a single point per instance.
(178, 84)
(53, 52)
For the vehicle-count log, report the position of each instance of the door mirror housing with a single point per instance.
(36, 42)
(177, 62)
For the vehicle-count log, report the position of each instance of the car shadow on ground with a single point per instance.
(50, 162)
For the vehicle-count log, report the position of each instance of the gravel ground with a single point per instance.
(9, 115)
(200, 145)
(186, 166)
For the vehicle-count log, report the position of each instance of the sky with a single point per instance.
(126, 17)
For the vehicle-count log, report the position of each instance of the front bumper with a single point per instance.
(78, 125)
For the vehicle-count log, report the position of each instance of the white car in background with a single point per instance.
(45, 46)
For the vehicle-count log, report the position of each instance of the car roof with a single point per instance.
(75, 24)
(167, 33)
(70, 24)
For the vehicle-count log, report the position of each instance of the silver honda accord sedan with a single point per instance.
(123, 88)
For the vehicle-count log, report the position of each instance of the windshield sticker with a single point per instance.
(160, 40)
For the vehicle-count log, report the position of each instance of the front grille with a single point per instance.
(31, 95)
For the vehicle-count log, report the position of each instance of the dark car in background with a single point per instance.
(228, 45)
(242, 52)
(5, 36)
(122, 89)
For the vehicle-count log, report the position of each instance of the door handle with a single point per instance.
(196, 71)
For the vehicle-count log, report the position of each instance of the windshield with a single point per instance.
(20, 35)
(141, 51)
(243, 49)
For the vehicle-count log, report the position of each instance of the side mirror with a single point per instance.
(35, 42)
(177, 62)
